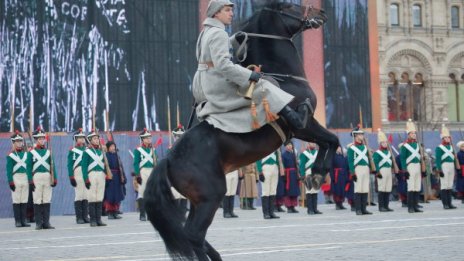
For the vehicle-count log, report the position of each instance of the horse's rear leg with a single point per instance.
(196, 227)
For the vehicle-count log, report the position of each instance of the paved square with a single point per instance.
(335, 235)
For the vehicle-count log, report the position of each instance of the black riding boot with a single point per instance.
(46, 216)
(297, 119)
(17, 215)
(98, 212)
(38, 216)
(309, 204)
(225, 207)
(78, 210)
(85, 211)
(23, 214)
(315, 204)
(231, 206)
(416, 202)
(364, 204)
(265, 204)
(450, 199)
(410, 201)
(357, 203)
(143, 214)
(444, 198)
(271, 206)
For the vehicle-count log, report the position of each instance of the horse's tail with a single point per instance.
(164, 215)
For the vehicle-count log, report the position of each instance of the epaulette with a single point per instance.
(349, 145)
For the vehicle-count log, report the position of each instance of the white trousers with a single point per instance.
(97, 186)
(80, 190)
(312, 190)
(385, 183)
(144, 174)
(231, 183)
(21, 193)
(448, 170)
(43, 190)
(362, 183)
(414, 181)
(271, 177)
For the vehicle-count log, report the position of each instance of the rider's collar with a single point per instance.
(214, 23)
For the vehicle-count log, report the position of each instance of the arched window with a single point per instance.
(454, 17)
(394, 15)
(417, 15)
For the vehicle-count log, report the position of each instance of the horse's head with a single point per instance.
(285, 19)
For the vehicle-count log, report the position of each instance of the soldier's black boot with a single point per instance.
(23, 214)
(357, 203)
(46, 216)
(444, 198)
(387, 201)
(410, 200)
(364, 204)
(17, 215)
(315, 204)
(250, 204)
(98, 212)
(265, 205)
(85, 211)
(38, 216)
(296, 119)
(450, 199)
(271, 206)
(416, 202)
(78, 210)
(381, 199)
(143, 214)
(309, 204)
(231, 206)
(225, 207)
(93, 214)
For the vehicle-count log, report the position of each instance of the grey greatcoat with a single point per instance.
(215, 88)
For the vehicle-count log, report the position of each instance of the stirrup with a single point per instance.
(305, 109)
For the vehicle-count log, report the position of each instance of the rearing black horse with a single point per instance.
(198, 161)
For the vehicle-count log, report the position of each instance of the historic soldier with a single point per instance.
(359, 162)
(179, 198)
(144, 161)
(19, 179)
(411, 163)
(339, 176)
(44, 179)
(445, 164)
(269, 168)
(218, 79)
(383, 161)
(307, 159)
(229, 198)
(460, 178)
(292, 188)
(248, 188)
(93, 171)
(114, 191)
(76, 178)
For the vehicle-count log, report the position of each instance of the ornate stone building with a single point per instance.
(421, 59)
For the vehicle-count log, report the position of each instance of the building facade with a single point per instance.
(421, 60)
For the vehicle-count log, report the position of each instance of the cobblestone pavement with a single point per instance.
(335, 235)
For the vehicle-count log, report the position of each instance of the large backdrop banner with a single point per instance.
(346, 63)
(115, 64)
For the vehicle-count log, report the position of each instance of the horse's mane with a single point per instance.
(273, 5)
